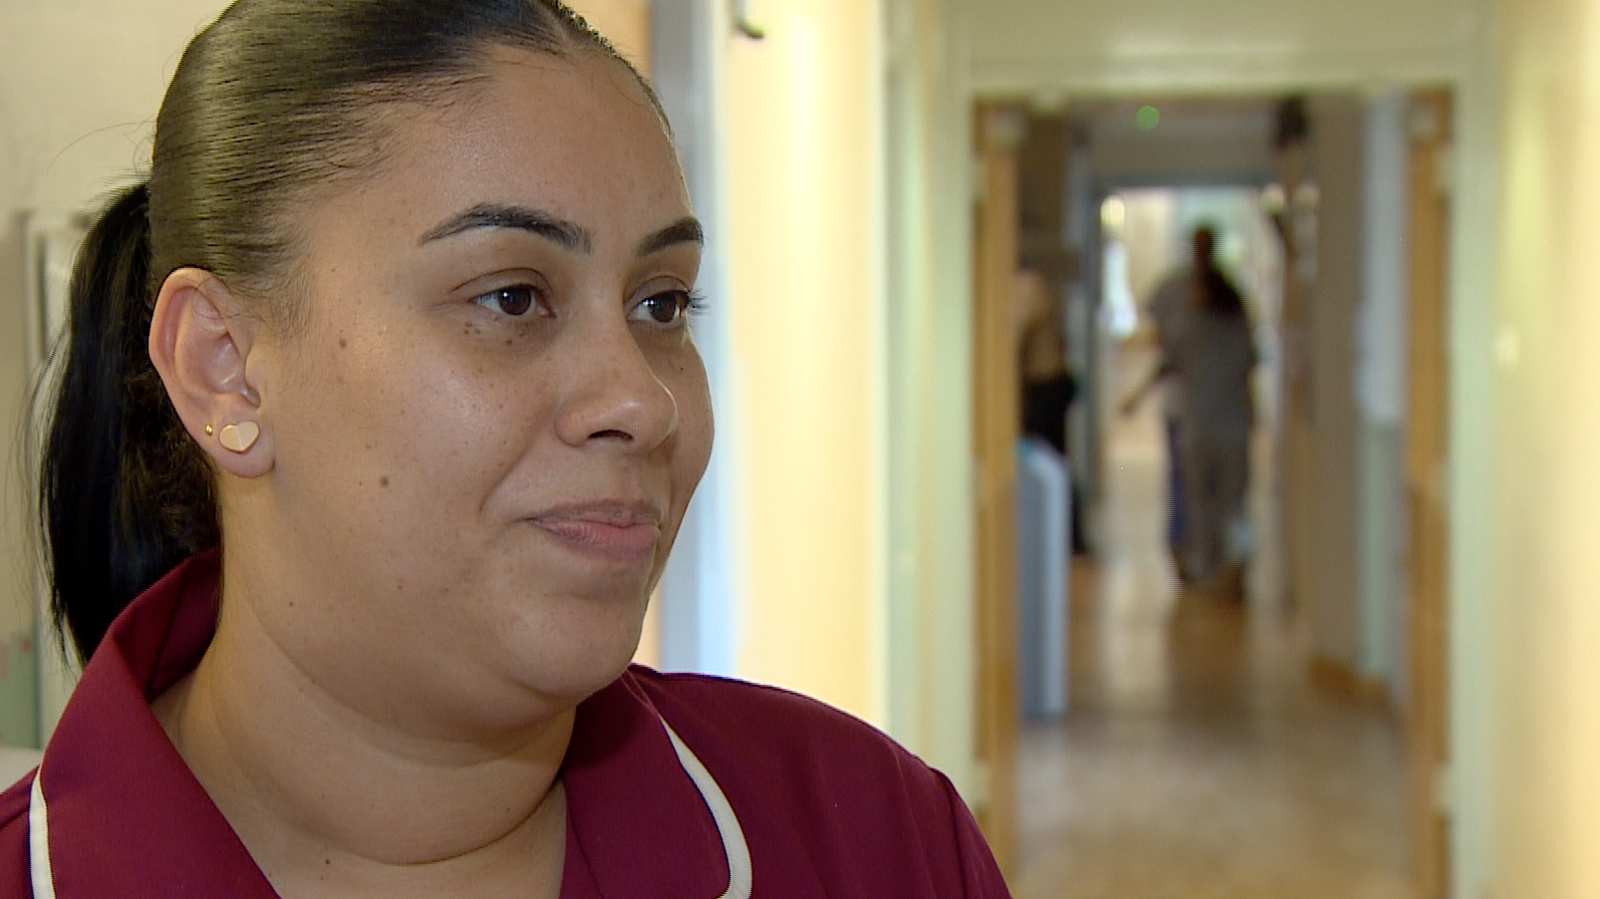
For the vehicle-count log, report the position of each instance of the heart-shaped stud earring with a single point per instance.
(240, 437)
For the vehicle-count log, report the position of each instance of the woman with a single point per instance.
(384, 382)
(1212, 354)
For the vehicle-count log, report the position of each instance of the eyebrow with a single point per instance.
(553, 228)
(559, 231)
(687, 230)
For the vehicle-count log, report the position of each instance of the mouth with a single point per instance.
(609, 531)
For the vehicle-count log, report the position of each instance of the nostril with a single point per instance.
(612, 434)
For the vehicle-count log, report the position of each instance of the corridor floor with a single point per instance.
(1198, 760)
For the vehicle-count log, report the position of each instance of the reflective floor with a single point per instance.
(1197, 760)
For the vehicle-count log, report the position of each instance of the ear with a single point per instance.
(199, 343)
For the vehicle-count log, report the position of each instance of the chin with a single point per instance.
(568, 665)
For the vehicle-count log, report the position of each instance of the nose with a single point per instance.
(613, 396)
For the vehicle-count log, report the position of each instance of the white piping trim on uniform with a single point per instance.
(740, 877)
(44, 884)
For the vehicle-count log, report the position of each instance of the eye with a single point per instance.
(515, 301)
(668, 307)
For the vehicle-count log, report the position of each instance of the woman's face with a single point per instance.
(488, 429)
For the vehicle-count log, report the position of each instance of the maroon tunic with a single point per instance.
(826, 805)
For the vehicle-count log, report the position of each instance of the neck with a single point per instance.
(331, 800)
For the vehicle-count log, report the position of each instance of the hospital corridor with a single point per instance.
(1199, 757)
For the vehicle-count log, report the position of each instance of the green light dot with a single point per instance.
(1147, 118)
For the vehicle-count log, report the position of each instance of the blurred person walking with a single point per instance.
(1212, 354)
(1207, 348)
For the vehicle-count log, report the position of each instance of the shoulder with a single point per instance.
(794, 750)
(830, 799)
(1176, 284)
(764, 719)
(851, 798)
(14, 841)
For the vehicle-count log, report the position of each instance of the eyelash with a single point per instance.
(696, 303)
(692, 304)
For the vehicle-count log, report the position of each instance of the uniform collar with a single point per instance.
(127, 818)
(640, 823)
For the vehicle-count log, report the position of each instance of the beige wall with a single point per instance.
(625, 22)
(81, 87)
(803, 124)
(1545, 476)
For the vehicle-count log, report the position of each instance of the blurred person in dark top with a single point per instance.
(1049, 388)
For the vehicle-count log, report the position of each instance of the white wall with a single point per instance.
(1322, 474)
(1474, 532)
(1195, 143)
(1021, 45)
(702, 585)
(1381, 384)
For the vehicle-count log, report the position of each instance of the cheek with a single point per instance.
(451, 424)
(685, 378)
(402, 420)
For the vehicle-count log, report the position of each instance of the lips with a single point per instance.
(611, 531)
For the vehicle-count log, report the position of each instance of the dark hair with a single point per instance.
(1221, 296)
(1204, 242)
(276, 100)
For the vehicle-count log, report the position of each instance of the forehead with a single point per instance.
(575, 136)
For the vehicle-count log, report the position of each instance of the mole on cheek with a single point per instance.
(343, 344)
(383, 481)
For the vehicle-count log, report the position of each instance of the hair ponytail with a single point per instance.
(124, 496)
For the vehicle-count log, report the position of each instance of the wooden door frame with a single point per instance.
(996, 415)
(1427, 451)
